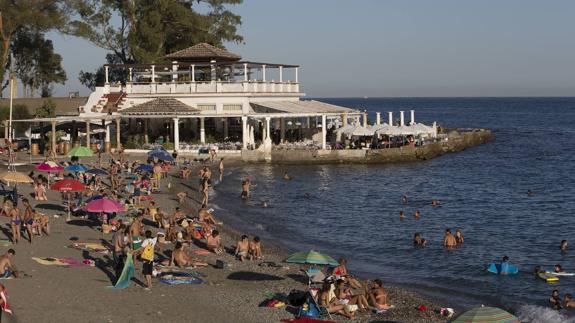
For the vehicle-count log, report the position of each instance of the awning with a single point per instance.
(160, 106)
(296, 107)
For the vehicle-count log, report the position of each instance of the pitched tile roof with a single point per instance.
(160, 106)
(203, 52)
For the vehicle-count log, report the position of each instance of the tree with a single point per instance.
(19, 111)
(47, 110)
(37, 15)
(147, 30)
(37, 66)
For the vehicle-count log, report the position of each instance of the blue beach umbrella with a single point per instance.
(76, 168)
(161, 154)
(144, 168)
(97, 172)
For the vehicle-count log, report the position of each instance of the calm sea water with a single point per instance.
(353, 210)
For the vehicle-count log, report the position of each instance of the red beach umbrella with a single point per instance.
(49, 167)
(68, 185)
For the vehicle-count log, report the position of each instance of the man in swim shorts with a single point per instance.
(136, 231)
(449, 240)
(7, 268)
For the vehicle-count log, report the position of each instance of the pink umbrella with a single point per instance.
(49, 167)
(104, 205)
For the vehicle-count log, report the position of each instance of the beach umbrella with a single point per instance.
(76, 168)
(80, 151)
(104, 205)
(311, 257)
(486, 314)
(97, 172)
(161, 154)
(144, 168)
(49, 167)
(68, 185)
(15, 177)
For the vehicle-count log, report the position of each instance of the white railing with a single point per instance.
(212, 87)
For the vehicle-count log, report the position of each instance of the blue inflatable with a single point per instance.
(502, 269)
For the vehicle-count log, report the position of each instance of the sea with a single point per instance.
(352, 210)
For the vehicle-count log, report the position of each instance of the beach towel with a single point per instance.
(177, 278)
(127, 273)
(5, 242)
(90, 246)
(306, 320)
(5, 306)
(201, 252)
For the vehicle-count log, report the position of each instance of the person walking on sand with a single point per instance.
(221, 166)
(28, 218)
(146, 253)
(449, 240)
(205, 188)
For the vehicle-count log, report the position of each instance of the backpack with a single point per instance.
(148, 253)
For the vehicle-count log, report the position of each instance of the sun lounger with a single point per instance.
(314, 275)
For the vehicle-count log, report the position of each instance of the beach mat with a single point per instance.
(5, 242)
(127, 273)
(306, 320)
(90, 246)
(63, 262)
(178, 278)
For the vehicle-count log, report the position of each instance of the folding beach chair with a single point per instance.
(314, 275)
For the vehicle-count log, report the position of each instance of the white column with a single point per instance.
(365, 119)
(106, 73)
(226, 127)
(174, 71)
(378, 118)
(412, 116)
(323, 131)
(213, 74)
(264, 72)
(281, 74)
(244, 131)
(202, 131)
(231, 77)
(401, 119)
(107, 133)
(246, 72)
(87, 133)
(153, 74)
(344, 120)
(130, 78)
(282, 129)
(176, 134)
(193, 73)
(390, 118)
(296, 74)
(267, 137)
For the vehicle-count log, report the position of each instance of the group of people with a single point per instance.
(29, 220)
(248, 250)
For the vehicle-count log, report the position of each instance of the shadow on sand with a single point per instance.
(252, 276)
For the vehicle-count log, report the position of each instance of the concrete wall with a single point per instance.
(457, 141)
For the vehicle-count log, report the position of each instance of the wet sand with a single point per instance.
(79, 294)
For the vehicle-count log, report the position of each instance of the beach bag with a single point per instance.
(297, 298)
(222, 264)
(148, 253)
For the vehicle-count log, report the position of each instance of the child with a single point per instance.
(256, 249)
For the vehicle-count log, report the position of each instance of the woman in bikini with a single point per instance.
(15, 223)
(351, 302)
(340, 272)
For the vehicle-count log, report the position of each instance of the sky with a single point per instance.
(403, 48)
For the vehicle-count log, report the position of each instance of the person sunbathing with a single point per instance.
(255, 250)
(181, 197)
(340, 272)
(206, 216)
(214, 242)
(242, 248)
(568, 301)
(346, 297)
(378, 296)
(328, 300)
(181, 259)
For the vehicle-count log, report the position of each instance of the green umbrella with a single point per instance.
(311, 257)
(486, 314)
(80, 151)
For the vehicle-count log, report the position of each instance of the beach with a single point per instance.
(71, 294)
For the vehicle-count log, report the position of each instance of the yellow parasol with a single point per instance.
(15, 177)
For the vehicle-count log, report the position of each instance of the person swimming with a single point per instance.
(404, 199)
(558, 269)
(530, 193)
(563, 246)
(286, 177)
(537, 270)
(555, 300)
(418, 240)
(401, 215)
(264, 204)
(417, 215)
(435, 202)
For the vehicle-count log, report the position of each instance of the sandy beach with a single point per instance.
(71, 294)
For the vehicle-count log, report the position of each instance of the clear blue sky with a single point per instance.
(399, 48)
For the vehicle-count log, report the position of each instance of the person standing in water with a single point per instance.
(404, 199)
(449, 240)
(221, 167)
(563, 246)
(459, 237)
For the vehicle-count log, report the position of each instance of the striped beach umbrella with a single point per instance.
(486, 314)
(15, 177)
(311, 257)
